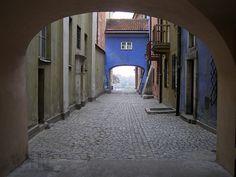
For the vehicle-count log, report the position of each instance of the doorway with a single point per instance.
(41, 77)
(189, 86)
(82, 82)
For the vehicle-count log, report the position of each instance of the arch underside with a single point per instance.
(110, 67)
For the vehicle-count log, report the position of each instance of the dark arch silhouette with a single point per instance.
(212, 22)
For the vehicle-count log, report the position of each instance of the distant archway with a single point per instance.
(108, 72)
(138, 79)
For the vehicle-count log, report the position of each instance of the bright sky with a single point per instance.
(124, 70)
(122, 15)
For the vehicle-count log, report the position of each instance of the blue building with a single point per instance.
(126, 41)
(198, 90)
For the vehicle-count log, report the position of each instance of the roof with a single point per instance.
(113, 25)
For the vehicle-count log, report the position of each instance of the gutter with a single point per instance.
(125, 32)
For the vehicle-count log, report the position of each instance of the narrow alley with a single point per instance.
(114, 136)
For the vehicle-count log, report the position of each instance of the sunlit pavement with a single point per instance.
(114, 137)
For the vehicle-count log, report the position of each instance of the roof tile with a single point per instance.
(127, 25)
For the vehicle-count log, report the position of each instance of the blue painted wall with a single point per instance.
(205, 81)
(117, 57)
(184, 39)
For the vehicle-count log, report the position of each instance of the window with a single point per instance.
(165, 73)
(85, 44)
(70, 41)
(43, 43)
(157, 72)
(191, 40)
(123, 45)
(126, 46)
(174, 72)
(129, 45)
(78, 37)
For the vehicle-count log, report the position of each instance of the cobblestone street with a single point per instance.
(116, 127)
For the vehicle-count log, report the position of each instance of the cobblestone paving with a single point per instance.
(116, 127)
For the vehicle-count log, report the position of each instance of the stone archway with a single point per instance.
(142, 66)
(213, 22)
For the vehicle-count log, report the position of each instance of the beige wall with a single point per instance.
(101, 29)
(169, 94)
(154, 64)
(53, 76)
(82, 22)
(31, 60)
(138, 74)
(53, 99)
(155, 77)
(53, 89)
(100, 58)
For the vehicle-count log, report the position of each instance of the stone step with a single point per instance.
(147, 96)
(166, 110)
(188, 118)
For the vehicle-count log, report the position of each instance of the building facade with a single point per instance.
(64, 68)
(198, 96)
(162, 53)
(182, 73)
(125, 46)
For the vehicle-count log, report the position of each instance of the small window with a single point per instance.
(78, 37)
(123, 45)
(85, 44)
(70, 41)
(165, 73)
(129, 45)
(191, 40)
(174, 72)
(157, 73)
(44, 43)
(126, 46)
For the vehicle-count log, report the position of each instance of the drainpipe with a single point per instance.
(178, 73)
(150, 28)
(149, 38)
(160, 22)
(196, 71)
(160, 79)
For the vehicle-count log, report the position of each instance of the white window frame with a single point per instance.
(43, 43)
(128, 45)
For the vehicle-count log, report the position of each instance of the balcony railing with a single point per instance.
(150, 54)
(160, 44)
(161, 34)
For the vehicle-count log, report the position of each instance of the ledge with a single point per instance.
(100, 49)
(45, 60)
(33, 131)
(207, 127)
(145, 96)
(80, 57)
(54, 119)
(72, 107)
(166, 110)
(188, 118)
